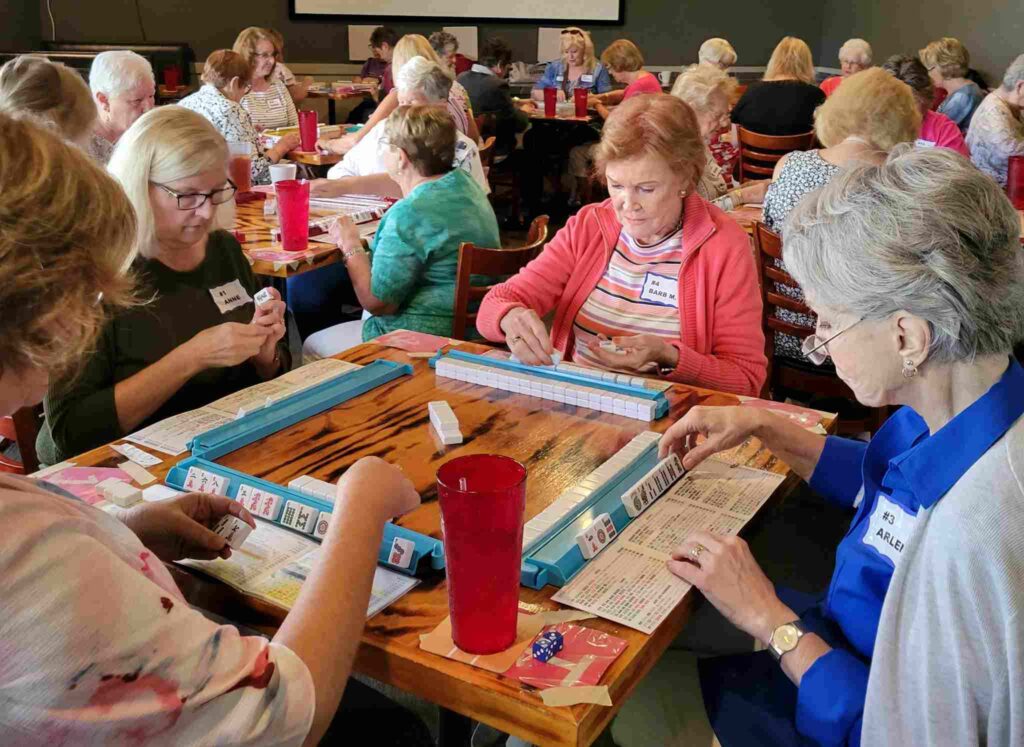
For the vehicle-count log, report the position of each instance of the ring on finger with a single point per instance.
(514, 339)
(695, 552)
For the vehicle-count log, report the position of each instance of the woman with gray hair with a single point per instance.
(123, 86)
(201, 337)
(718, 53)
(854, 56)
(996, 132)
(914, 270)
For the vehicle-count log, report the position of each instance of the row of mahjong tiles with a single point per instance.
(568, 393)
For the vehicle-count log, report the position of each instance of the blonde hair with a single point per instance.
(65, 246)
(223, 66)
(574, 36)
(717, 52)
(245, 44)
(51, 92)
(623, 56)
(653, 124)
(948, 55)
(409, 46)
(872, 105)
(791, 59)
(427, 135)
(164, 145)
(697, 85)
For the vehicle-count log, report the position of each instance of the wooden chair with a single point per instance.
(759, 153)
(487, 154)
(21, 428)
(799, 376)
(478, 260)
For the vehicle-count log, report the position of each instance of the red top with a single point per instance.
(829, 85)
(645, 83)
(462, 63)
(721, 344)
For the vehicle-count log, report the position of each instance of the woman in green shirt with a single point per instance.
(410, 281)
(200, 337)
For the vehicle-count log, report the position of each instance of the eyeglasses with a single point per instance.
(195, 200)
(814, 349)
(265, 55)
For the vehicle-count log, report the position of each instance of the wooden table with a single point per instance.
(558, 443)
(256, 228)
(747, 216)
(333, 96)
(315, 158)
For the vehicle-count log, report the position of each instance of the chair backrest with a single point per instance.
(22, 427)
(486, 124)
(759, 153)
(478, 260)
(487, 153)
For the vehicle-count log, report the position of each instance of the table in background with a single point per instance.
(747, 216)
(559, 444)
(334, 96)
(256, 229)
(314, 158)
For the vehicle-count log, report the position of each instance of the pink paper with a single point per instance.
(585, 656)
(82, 481)
(414, 342)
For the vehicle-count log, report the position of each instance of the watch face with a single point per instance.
(785, 637)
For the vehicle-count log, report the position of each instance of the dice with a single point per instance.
(547, 645)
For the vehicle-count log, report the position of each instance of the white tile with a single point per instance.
(322, 523)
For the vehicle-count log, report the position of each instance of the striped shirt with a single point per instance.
(637, 295)
(272, 108)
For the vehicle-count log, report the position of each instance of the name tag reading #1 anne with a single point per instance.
(230, 296)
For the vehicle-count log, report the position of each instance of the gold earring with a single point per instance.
(909, 369)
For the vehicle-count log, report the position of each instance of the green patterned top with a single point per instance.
(416, 253)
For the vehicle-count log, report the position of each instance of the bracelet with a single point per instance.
(347, 254)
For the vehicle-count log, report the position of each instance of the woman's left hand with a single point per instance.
(639, 353)
(725, 571)
(345, 233)
(181, 527)
(270, 315)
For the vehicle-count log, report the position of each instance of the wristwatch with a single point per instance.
(785, 638)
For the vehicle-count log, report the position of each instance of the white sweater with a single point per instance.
(948, 664)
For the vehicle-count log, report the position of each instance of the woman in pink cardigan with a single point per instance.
(652, 280)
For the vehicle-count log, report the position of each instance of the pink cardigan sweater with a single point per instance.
(721, 343)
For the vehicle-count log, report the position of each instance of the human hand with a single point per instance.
(286, 145)
(345, 233)
(593, 100)
(527, 337)
(271, 316)
(323, 188)
(725, 571)
(754, 191)
(637, 353)
(375, 485)
(722, 428)
(560, 96)
(180, 527)
(227, 344)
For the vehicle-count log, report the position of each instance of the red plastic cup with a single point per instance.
(482, 498)
(293, 209)
(550, 99)
(579, 97)
(172, 77)
(1015, 181)
(307, 131)
(240, 165)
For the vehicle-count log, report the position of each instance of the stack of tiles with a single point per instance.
(596, 536)
(445, 423)
(260, 502)
(300, 517)
(577, 494)
(598, 374)
(652, 486)
(315, 488)
(201, 481)
(605, 400)
(118, 492)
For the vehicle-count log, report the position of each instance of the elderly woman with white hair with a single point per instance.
(124, 89)
(854, 56)
(996, 132)
(914, 270)
(201, 337)
(717, 52)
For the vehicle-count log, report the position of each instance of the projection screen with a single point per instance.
(560, 11)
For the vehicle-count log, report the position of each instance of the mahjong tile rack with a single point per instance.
(614, 393)
(586, 518)
(306, 504)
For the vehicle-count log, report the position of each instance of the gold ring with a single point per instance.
(695, 552)
(514, 339)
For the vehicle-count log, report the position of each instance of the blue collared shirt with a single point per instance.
(902, 470)
(555, 76)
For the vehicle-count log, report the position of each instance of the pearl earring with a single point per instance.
(909, 369)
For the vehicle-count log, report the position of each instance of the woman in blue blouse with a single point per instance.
(915, 273)
(577, 68)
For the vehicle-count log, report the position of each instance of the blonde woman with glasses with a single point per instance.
(201, 337)
(268, 101)
(578, 67)
(784, 100)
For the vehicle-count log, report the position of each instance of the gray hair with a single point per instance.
(441, 40)
(1014, 74)
(857, 51)
(117, 71)
(717, 51)
(925, 232)
(698, 84)
(426, 77)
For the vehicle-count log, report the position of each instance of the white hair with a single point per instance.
(717, 51)
(1014, 74)
(856, 51)
(925, 232)
(117, 71)
(164, 145)
(426, 77)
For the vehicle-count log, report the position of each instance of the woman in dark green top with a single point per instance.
(201, 337)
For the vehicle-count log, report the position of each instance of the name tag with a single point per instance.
(230, 296)
(275, 103)
(586, 78)
(660, 289)
(560, 78)
(889, 529)
(920, 143)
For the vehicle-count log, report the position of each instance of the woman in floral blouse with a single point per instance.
(996, 132)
